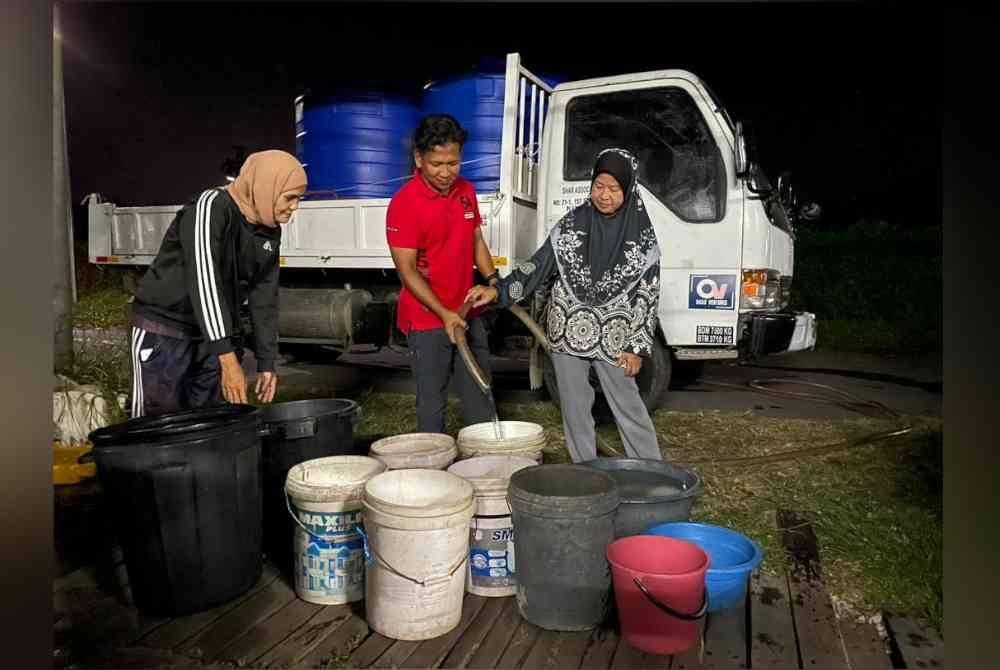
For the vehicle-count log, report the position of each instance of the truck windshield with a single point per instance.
(679, 161)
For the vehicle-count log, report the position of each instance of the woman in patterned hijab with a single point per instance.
(605, 262)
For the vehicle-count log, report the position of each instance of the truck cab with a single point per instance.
(727, 245)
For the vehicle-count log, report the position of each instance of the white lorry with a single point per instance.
(726, 235)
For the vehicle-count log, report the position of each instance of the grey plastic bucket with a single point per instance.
(564, 516)
(651, 491)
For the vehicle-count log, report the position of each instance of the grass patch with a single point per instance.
(104, 308)
(108, 368)
(871, 292)
(875, 336)
(878, 508)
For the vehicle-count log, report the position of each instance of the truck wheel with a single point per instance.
(686, 372)
(653, 381)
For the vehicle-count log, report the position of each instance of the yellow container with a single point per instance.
(65, 468)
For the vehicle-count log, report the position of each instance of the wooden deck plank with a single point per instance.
(208, 644)
(772, 636)
(178, 630)
(369, 651)
(127, 658)
(558, 650)
(864, 648)
(498, 638)
(628, 657)
(920, 645)
(725, 639)
(395, 656)
(432, 652)
(603, 644)
(520, 644)
(338, 645)
(472, 639)
(693, 657)
(266, 634)
(820, 646)
(305, 639)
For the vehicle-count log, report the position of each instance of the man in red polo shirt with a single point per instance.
(433, 229)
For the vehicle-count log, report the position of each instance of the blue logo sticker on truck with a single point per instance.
(712, 292)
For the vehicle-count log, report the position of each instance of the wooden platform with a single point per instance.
(269, 627)
(787, 622)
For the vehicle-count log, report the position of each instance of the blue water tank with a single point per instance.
(476, 100)
(355, 144)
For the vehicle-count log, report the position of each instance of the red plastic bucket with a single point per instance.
(659, 587)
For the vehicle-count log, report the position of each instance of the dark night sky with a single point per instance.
(846, 96)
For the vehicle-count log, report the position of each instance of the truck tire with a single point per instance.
(686, 372)
(653, 381)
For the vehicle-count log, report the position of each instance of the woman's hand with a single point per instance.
(234, 383)
(481, 295)
(631, 363)
(267, 384)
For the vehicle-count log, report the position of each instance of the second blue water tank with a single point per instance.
(476, 100)
(356, 144)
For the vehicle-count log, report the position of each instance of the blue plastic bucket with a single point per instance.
(733, 557)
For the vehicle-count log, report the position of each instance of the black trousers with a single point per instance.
(171, 374)
(435, 361)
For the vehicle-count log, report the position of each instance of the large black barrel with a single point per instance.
(295, 432)
(184, 491)
(651, 491)
(564, 516)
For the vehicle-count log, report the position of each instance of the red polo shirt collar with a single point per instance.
(431, 192)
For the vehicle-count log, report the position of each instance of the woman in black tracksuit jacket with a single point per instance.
(221, 250)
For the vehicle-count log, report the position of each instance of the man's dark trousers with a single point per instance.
(435, 359)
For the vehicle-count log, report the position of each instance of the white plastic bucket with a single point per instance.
(492, 568)
(520, 438)
(324, 499)
(431, 451)
(416, 523)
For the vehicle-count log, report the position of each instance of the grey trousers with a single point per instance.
(576, 398)
(435, 360)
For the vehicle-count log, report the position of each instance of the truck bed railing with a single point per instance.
(526, 100)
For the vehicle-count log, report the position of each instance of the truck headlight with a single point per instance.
(761, 289)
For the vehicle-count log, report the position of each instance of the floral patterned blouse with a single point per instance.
(624, 324)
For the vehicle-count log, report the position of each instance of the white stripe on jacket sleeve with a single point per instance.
(205, 267)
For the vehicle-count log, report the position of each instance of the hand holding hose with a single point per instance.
(453, 321)
(481, 295)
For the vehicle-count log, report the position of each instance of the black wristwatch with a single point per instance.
(492, 279)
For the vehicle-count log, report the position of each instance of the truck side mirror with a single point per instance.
(741, 157)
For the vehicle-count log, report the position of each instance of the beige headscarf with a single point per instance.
(263, 178)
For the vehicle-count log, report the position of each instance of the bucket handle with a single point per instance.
(322, 538)
(289, 430)
(427, 581)
(671, 611)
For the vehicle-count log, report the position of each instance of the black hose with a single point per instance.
(850, 402)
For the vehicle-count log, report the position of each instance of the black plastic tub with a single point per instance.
(564, 521)
(184, 490)
(652, 492)
(295, 432)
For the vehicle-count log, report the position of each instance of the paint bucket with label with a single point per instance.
(492, 564)
(323, 496)
(417, 534)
